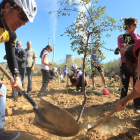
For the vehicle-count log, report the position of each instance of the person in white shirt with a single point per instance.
(44, 55)
(76, 77)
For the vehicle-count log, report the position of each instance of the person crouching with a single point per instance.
(76, 78)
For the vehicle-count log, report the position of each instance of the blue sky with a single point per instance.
(47, 26)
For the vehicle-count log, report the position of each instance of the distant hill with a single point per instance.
(4, 63)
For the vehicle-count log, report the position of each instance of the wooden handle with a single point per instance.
(24, 93)
(114, 110)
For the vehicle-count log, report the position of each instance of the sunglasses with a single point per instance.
(135, 24)
(22, 15)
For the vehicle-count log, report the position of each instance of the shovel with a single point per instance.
(48, 116)
(114, 110)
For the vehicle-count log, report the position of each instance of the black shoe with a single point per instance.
(119, 89)
(8, 136)
(28, 92)
(14, 95)
(19, 94)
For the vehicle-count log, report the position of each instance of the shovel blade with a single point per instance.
(57, 121)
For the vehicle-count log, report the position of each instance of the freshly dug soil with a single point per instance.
(123, 125)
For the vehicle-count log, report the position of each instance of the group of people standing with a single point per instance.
(26, 60)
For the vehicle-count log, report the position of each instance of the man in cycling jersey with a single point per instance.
(13, 14)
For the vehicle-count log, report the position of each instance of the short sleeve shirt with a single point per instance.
(31, 54)
(43, 66)
(78, 74)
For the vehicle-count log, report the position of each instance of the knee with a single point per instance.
(3, 89)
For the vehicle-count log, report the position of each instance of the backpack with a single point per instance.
(131, 41)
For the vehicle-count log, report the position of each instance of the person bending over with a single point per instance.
(76, 78)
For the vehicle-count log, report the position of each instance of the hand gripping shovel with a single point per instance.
(48, 116)
(114, 110)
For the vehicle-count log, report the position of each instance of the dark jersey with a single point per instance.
(9, 37)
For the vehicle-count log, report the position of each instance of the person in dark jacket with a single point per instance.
(21, 60)
(124, 42)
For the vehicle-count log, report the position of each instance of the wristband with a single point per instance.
(138, 77)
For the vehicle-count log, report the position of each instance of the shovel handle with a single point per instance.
(103, 120)
(24, 93)
(114, 110)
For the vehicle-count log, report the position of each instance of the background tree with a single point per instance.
(90, 25)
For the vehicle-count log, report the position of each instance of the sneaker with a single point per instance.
(94, 88)
(29, 92)
(137, 110)
(14, 95)
(75, 90)
(42, 94)
(8, 136)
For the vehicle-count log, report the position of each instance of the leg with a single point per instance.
(93, 76)
(22, 80)
(45, 81)
(125, 74)
(101, 72)
(131, 83)
(3, 134)
(2, 105)
(137, 100)
(102, 77)
(93, 81)
(29, 74)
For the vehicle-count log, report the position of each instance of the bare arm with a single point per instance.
(44, 60)
(32, 69)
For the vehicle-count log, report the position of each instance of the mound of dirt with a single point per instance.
(121, 125)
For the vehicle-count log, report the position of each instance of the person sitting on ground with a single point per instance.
(96, 64)
(76, 78)
(59, 73)
(52, 74)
